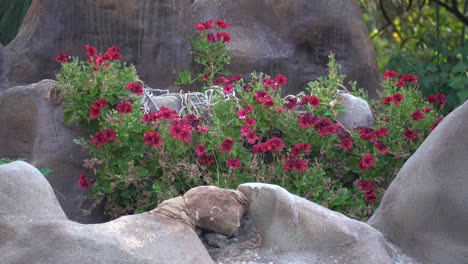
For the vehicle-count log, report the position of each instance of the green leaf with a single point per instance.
(45, 171)
(184, 78)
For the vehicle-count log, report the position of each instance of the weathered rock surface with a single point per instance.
(424, 210)
(292, 37)
(358, 112)
(154, 35)
(216, 209)
(34, 229)
(295, 230)
(295, 37)
(33, 128)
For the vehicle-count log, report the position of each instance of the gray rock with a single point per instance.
(155, 36)
(295, 37)
(424, 211)
(216, 240)
(358, 112)
(3, 67)
(216, 209)
(295, 230)
(32, 128)
(34, 229)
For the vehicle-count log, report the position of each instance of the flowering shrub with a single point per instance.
(249, 133)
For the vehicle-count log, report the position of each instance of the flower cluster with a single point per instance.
(104, 136)
(228, 87)
(273, 145)
(124, 107)
(153, 139)
(368, 189)
(395, 98)
(136, 88)
(95, 110)
(164, 113)
(83, 182)
(367, 161)
(219, 35)
(62, 57)
(233, 163)
(437, 98)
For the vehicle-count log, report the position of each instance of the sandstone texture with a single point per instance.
(32, 129)
(216, 209)
(424, 211)
(295, 37)
(34, 229)
(292, 37)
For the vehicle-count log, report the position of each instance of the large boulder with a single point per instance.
(295, 37)
(292, 37)
(34, 229)
(425, 209)
(153, 35)
(3, 66)
(32, 128)
(295, 230)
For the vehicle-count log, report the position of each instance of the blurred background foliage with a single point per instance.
(422, 37)
(12, 13)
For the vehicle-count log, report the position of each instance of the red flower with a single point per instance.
(274, 144)
(291, 104)
(381, 148)
(409, 78)
(387, 100)
(371, 198)
(181, 130)
(325, 127)
(228, 88)
(94, 112)
(90, 51)
(226, 38)
(417, 115)
(366, 187)
(400, 83)
(381, 132)
(221, 79)
(279, 110)
(437, 98)
(367, 161)
(233, 163)
(346, 143)
(226, 146)
(298, 165)
(390, 74)
(397, 98)
(104, 136)
(153, 139)
(204, 159)
(312, 100)
(134, 87)
(250, 122)
(83, 182)
(281, 80)
(410, 134)
(201, 150)
(124, 107)
(251, 136)
(112, 53)
(298, 148)
(242, 114)
(261, 96)
(427, 109)
(366, 133)
(222, 24)
(62, 58)
(200, 26)
(268, 82)
(208, 24)
(166, 113)
(307, 120)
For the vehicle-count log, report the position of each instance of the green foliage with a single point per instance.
(247, 133)
(12, 13)
(426, 38)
